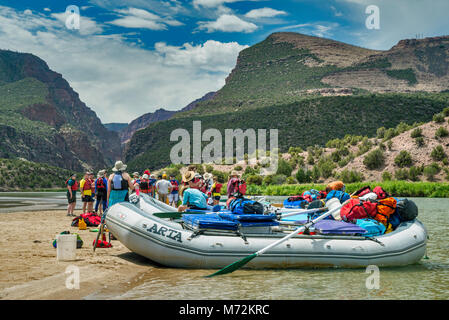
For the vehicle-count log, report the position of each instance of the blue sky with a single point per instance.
(130, 57)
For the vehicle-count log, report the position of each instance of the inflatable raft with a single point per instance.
(143, 228)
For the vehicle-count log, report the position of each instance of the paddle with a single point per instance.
(240, 263)
(100, 230)
(285, 215)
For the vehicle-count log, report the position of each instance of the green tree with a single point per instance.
(284, 168)
(303, 176)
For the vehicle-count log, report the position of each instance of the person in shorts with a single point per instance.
(216, 191)
(173, 197)
(86, 192)
(163, 188)
(72, 187)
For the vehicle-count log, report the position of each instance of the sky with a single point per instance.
(129, 57)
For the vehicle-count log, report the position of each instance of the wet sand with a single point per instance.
(29, 269)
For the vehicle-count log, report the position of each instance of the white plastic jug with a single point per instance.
(66, 247)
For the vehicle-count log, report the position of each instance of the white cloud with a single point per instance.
(227, 23)
(47, 9)
(264, 13)
(212, 3)
(117, 80)
(212, 56)
(314, 29)
(143, 19)
(28, 11)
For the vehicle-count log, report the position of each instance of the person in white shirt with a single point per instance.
(163, 188)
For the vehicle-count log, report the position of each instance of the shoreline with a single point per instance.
(30, 270)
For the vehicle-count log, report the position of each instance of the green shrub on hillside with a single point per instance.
(438, 118)
(431, 170)
(350, 176)
(374, 160)
(254, 179)
(441, 132)
(419, 141)
(438, 153)
(386, 176)
(416, 133)
(401, 174)
(403, 159)
(415, 172)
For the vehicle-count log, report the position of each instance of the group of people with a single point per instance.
(194, 191)
(91, 189)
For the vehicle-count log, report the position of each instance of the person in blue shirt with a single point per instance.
(192, 198)
(101, 191)
(153, 185)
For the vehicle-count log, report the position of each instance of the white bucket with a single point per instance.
(66, 247)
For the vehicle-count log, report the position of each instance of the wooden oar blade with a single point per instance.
(233, 266)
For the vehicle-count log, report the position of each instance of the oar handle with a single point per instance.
(300, 229)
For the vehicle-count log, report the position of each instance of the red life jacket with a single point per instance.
(75, 185)
(100, 183)
(238, 186)
(144, 186)
(175, 185)
(217, 188)
(87, 185)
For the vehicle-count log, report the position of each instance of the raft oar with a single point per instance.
(289, 214)
(101, 229)
(240, 263)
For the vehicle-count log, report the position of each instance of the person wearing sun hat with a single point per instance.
(192, 198)
(232, 181)
(119, 183)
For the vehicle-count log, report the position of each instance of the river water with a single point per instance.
(429, 279)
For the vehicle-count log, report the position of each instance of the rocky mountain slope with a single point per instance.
(42, 118)
(313, 90)
(127, 131)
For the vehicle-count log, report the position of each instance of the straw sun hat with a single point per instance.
(234, 173)
(188, 175)
(119, 166)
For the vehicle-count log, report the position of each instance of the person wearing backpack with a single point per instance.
(101, 187)
(192, 198)
(72, 187)
(236, 186)
(119, 183)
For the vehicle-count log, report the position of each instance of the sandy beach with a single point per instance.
(29, 269)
